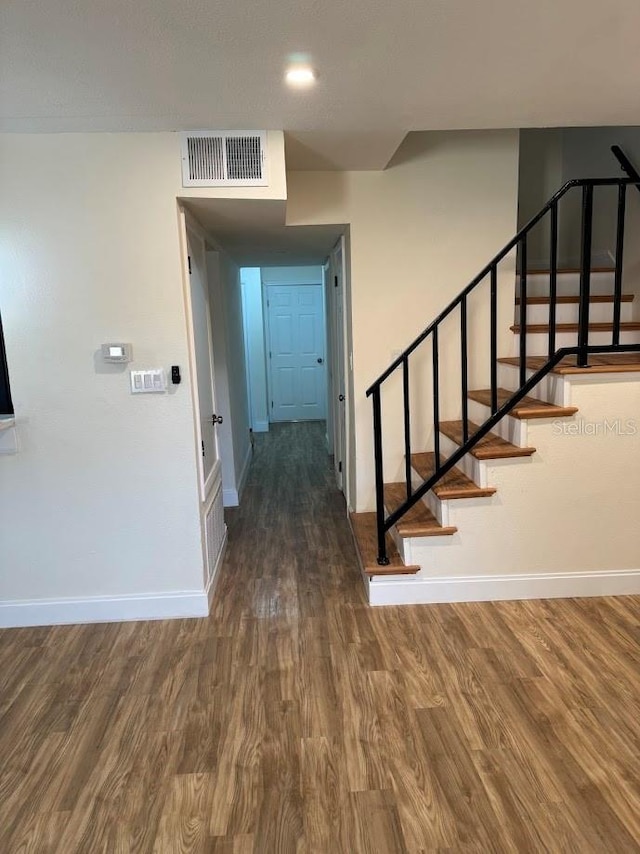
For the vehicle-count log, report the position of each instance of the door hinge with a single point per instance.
(335, 281)
(272, 404)
(340, 466)
(189, 263)
(203, 449)
(269, 353)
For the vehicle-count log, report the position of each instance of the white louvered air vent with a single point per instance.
(224, 159)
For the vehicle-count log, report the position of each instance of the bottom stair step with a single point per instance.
(417, 522)
(365, 534)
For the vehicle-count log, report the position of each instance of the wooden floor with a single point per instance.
(297, 719)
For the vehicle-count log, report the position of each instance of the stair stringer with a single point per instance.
(562, 523)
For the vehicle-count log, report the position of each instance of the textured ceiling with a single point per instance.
(384, 68)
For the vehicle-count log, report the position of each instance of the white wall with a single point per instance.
(255, 348)
(230, 374)
(101, 499)
(419, 232)
(99, 514)
(540, 176)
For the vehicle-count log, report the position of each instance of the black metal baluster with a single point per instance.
(585, 275)
(436, 399)
(383, 560)
(494, 339)
(407, 424)
(523, 310)
(617, 291)
(553, 279)
(464, 366)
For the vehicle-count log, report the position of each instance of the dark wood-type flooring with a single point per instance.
(297, 719)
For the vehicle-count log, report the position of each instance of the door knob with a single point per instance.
(217, 419)
(320, 360)
(340, 397)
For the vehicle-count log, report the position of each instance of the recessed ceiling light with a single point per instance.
(300, 76)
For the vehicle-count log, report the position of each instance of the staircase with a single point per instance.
(508, 460)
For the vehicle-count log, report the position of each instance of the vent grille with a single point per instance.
(233, 158)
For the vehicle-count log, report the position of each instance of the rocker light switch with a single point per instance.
(148, 382)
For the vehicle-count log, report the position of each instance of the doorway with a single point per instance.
(295, 332)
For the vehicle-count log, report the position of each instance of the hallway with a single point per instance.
(297, 719)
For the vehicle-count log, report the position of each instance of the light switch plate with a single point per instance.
(149, 382)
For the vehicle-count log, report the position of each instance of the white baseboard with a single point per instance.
(493, 588)
(104, 609)
(260, 427)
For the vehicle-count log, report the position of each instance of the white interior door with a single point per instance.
(339, 371)
(203, 392)
(297, 368)
(203, 354)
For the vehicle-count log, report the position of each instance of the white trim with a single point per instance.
(261, 427)
(231, 497)
(104, 609)
(493, 588)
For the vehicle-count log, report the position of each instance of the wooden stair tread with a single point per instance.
(454, 484)
(490, 447)
(419, 521)
(528, 407)
(365, 534)
(575, 300)
(602, 363)
(626, 326)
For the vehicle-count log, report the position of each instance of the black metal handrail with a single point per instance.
(627, 165)
(555, 355)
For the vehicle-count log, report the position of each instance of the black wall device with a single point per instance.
(175, 375)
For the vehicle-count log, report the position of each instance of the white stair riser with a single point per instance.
(440, 509)
(512, 429)
(599, 312)
(538, 342)
(552, 388)
(568, 284)
(473, 468)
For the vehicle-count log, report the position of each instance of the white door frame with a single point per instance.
(339, 372)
